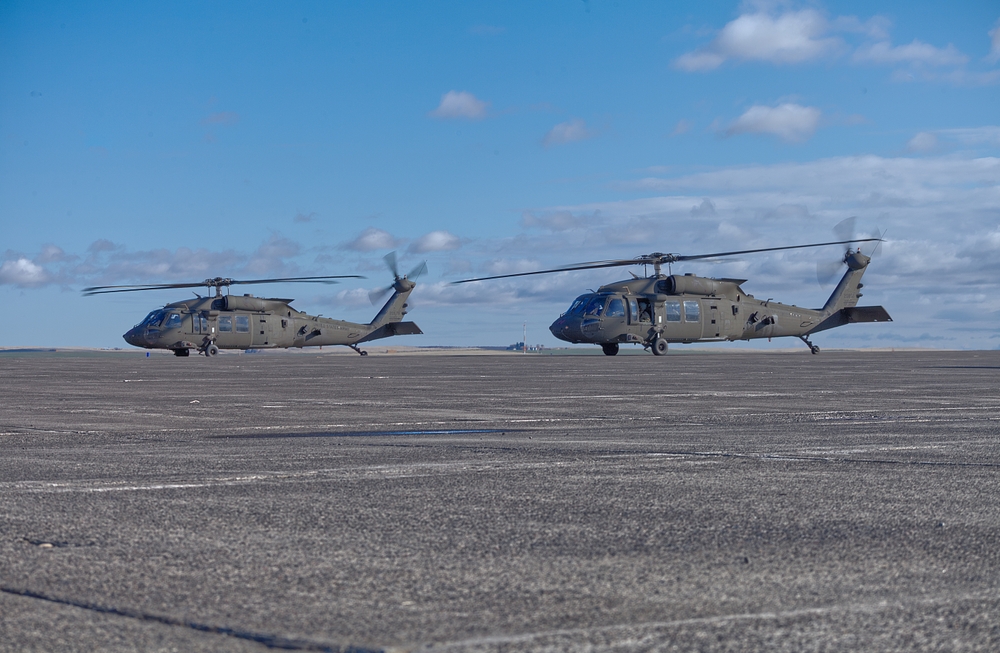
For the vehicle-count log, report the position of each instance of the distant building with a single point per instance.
(519, 346)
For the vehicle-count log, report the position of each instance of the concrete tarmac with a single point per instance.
(708, 502)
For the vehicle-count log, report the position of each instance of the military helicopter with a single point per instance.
(208, 324)
(660, 309)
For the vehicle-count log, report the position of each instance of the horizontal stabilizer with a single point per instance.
(866, 314)
(393, 329)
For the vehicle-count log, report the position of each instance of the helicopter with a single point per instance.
(657, 310)
(208, 324)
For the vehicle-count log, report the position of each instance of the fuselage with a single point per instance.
(678, 309)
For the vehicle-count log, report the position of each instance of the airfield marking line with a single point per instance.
(869, 608)
(318, 475)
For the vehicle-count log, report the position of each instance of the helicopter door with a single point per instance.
(261, 330)
(614, 323)
(713, 327)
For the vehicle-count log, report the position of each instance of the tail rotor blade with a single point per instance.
(374, 296)
(390, 260)
(826, 271)
(418, 271)
(845, 229)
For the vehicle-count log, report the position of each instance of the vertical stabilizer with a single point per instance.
(846, 294)
(395, 308)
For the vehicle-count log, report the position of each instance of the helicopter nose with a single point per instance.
(133, 338)
(560, 329)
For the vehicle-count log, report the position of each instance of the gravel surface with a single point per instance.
(709, 502)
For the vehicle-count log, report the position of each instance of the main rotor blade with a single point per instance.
(217, 282)
(103, 290)
(579, 266)
(658, 258)
(328, 279)
(772, 249)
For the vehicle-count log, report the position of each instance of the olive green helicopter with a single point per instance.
(223, 321)
(654, 311)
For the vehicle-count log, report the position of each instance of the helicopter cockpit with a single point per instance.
(153, 319)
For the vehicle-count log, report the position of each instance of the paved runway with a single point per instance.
(711, 502)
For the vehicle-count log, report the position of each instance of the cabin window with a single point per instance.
(616, 308)
(673, 311)
(645, 310)
(242, 324)
(633, 309)
(199, 324)
(225, 324)
(692, 311)
(173, 321)
(595, 307)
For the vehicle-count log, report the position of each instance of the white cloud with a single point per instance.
(914, 53)
(23, 272)
(792, 37)
(923, 142)
(460, 104)
(371, 239)
(790, 122)
(994, 54)
(930, 141)
(567, 132)
(435, 241)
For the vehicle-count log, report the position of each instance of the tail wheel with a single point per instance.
(610, 348)
(211, 350)
(659, 347)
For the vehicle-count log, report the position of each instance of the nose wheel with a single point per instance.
(610, 348)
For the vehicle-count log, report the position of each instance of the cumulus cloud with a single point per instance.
(23, 272)
(792, 123)
(435, 241)
(913, 53)
(459, 105)
(567, 132)
(371, 239)
(792, 37)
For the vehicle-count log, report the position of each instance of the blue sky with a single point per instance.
(157, 143)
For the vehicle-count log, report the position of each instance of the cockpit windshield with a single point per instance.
(577, 305)
(153, 319)
(595, 306)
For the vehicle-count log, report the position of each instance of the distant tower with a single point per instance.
(524, 339)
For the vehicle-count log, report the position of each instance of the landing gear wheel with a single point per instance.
(610, 348)
(211, 350)
(660, 347)
(358, 349)
(813, 348)
(364, 353)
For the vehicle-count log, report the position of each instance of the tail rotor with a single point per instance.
(376, 295)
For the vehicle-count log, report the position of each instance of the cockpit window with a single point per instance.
(616, 308)
(595, 306)
(153, 319)
(172, 322)
(577, 305)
